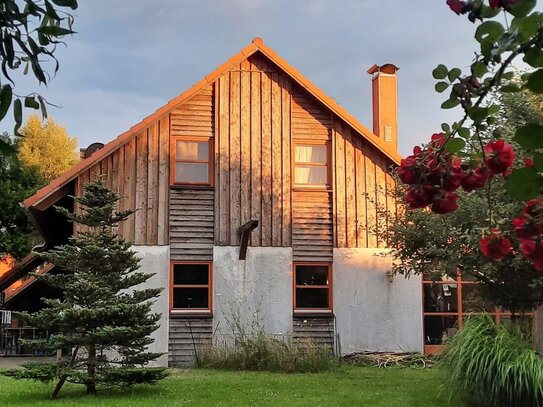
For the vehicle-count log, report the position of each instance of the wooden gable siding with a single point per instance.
(139, 171)
(192, 209)
(252, 156)
(362, 191)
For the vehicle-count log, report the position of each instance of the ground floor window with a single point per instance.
(447, 303)
(190, 286)
(312, 287)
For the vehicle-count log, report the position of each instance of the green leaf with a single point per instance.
(538, 162)
(454, 145)
(510, 88)
(6, 94)
(449, 104)
(454, 74)
(445, 127)
(493, 109)
(43, 107)
(54, 30)
(441, 86)
(534, 57)
(522, 8)
(66, 3)
(17, 114)
(479, 69)
(489, 31)
(523, 184)
(31, 102)
(535, 81)
(508, 75)
(530, 136)
(478, 114)
(464, 132)
(440, 72)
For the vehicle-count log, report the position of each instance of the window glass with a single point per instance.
(191, 172)
(311, 154)
(311, 275)
(192, 150)
(312, 298)
(190, 274)
(190, 297)
(474, 301)
(439, 328)
(304, 174)
(441, 297)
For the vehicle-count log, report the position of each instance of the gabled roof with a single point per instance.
(257, 45)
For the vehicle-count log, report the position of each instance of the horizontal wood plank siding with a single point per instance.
(318, 330)
(187, 337)
(191, 224)
(312, 238)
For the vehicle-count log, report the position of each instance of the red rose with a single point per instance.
(495, 3)
(457, 6)
(533, 250)
(438, 139)
(529, 162)
(444, 202)
(453, 178)
(474, 179)
(419, 197)
(499, 156)
(408, 171)
(495, 245)
(529, 224)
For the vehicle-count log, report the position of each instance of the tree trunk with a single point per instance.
(64, 377)
(91, 370)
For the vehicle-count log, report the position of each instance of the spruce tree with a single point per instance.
(104, 320)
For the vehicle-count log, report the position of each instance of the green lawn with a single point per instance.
(347, 386)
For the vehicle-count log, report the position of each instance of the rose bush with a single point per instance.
(461, 157)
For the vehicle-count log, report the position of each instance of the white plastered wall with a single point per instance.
(256, 291)
(156, 259)
(372, 312)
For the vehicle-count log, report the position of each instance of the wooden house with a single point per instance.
(259, 200)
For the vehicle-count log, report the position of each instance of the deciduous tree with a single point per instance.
(46, 146)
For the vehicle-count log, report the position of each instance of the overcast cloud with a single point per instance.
(130, 57)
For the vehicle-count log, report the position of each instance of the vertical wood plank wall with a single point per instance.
(253, 154)
(254, 113)
(139, 171)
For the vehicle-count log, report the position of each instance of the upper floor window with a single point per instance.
(191, 161)
(311, 165)
(313, 287)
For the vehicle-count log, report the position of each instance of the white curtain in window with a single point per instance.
(310, 175)
(310, 154)
(192, 150)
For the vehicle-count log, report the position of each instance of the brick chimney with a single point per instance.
(385, 103)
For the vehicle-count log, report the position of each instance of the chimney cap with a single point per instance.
(386, 68)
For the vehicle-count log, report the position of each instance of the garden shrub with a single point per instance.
(493, 365)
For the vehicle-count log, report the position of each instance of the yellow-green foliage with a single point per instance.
(47, 147)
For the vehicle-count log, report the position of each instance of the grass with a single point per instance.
(346, 386)
(494, 365)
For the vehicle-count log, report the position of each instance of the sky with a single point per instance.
(130, 57)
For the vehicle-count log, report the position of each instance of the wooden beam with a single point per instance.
(244, 231)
